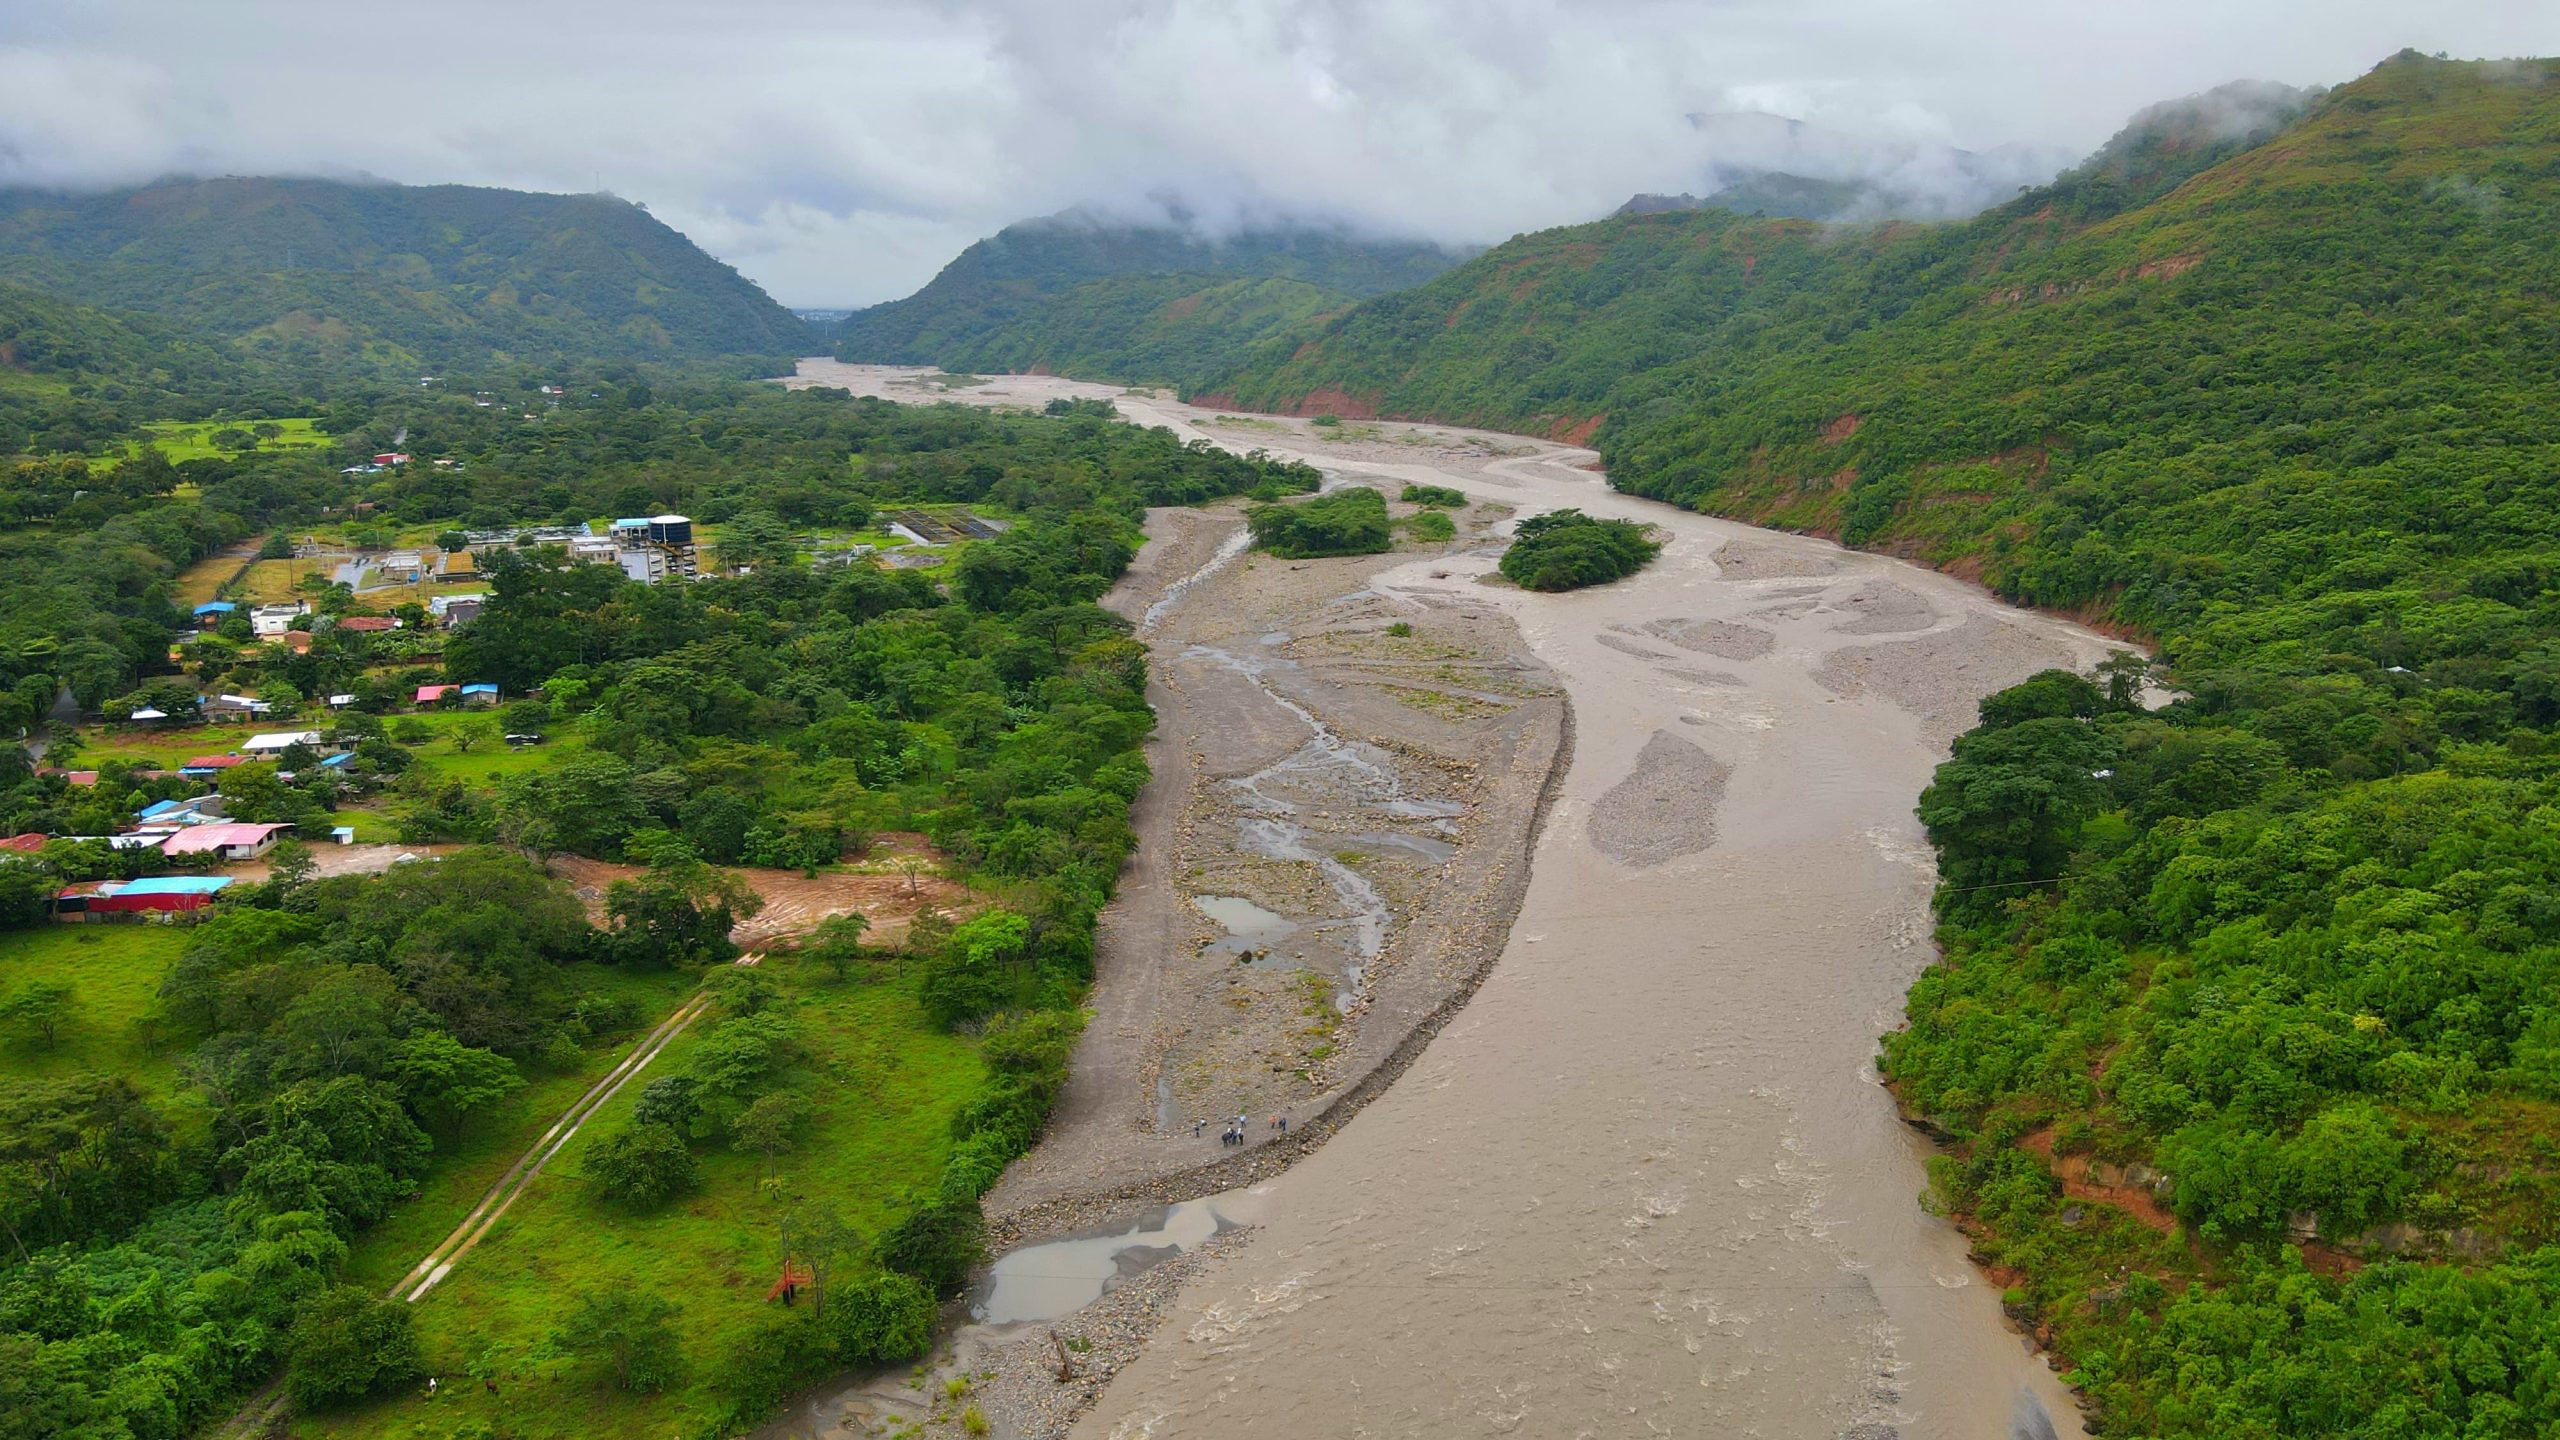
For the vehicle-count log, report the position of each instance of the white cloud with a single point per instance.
(840, 152)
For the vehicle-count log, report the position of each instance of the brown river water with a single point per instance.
(1646, 1183)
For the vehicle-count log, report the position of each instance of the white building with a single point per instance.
(269, 621)
(277, 741)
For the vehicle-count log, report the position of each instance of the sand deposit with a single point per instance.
(1721, 638)
(1665, 809)
(1643, 1182)
(1886, 610)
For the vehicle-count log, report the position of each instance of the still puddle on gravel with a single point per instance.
(1249, 927)
(1055, 1280)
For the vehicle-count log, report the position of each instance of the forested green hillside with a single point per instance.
(303, 271)
(73, 378)
(2247, 1037)
(1082, 296)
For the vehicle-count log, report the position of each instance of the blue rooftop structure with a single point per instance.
(216, 607)
(483, 689)
(332, 762)
(159, 808)
(175, 885)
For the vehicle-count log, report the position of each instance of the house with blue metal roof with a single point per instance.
(175, 885)
(167, 896)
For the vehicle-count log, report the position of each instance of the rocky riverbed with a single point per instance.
(1643, 1180)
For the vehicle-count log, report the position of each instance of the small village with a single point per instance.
(184, 832)
(211, 771)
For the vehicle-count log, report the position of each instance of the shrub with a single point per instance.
(881, 1318)
(938, 1245)
(348, 1343)
(632, 1331)
(642, 1165)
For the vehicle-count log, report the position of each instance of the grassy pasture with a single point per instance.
(886, 1084)
(114, 971)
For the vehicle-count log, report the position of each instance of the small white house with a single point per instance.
(276, 741)
(269, 621)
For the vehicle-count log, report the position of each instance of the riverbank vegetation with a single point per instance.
(1349, 521)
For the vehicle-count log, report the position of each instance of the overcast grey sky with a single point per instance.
(840, 152)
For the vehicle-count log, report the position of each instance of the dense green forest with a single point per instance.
(2245, 1033)
(1566, 550)
(344, 276)
(1083, 295)
(178, 1229)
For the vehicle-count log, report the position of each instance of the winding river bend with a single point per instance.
(1645, 1184)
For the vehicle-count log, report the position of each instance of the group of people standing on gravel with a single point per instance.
(1234, 1134)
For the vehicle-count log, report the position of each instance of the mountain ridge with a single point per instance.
(1079, 293)
(371, 273)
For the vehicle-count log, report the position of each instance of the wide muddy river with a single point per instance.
(1646, 1183)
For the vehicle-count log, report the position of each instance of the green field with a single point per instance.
(493, 760)
(370, 825)
(131, 743)
(182, 440)
(468, 1164)
(114, 971)
(886, 1083)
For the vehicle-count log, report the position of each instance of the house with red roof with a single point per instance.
(437, 694)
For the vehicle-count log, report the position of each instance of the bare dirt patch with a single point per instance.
(331, 860)
(795, 903)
